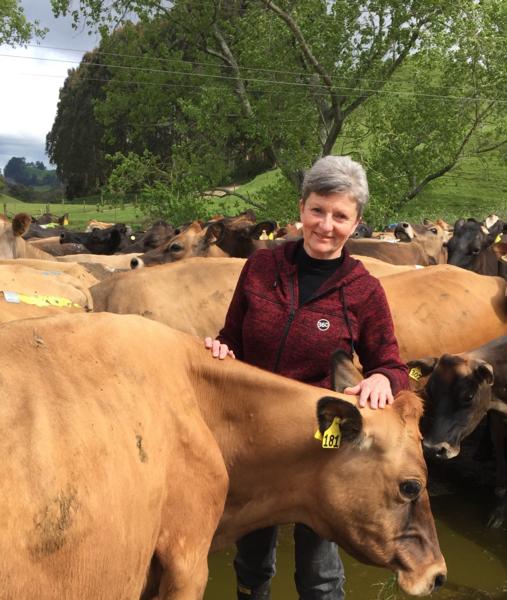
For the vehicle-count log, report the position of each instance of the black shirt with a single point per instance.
(313, 272)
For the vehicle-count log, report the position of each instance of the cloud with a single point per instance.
(31, 80)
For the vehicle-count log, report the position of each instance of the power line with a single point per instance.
(359, 91)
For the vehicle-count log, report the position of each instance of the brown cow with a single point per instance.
(435, 309)
(193, 241)
(460, 390)
(12, 245)
(112, 461)
(397, 253)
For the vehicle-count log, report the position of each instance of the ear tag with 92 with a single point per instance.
(332, 435)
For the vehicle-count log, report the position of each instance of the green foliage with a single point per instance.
(19, 171)
(14, 28)
(216, 90)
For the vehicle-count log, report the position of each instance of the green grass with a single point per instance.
(79, 214)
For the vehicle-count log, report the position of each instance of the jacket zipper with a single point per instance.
(287, 325)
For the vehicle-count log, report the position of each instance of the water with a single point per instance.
(476, 559)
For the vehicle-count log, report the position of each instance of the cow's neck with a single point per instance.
(264, 426)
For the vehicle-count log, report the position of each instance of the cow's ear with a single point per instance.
(459, 225)
(351, 422)
(343, 371)
(264, 226)
(214, 233)
(424, 365)
(20, 224)
(484, 372)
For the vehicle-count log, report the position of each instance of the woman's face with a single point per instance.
(328, 221)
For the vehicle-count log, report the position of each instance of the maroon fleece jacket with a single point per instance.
(266, 326)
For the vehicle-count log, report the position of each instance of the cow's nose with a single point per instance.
(134, 263)
(62, 238)
(440, 579)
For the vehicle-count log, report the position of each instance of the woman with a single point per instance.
(293, 307)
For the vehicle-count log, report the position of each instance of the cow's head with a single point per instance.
(457, 395)
(194, 240)
(469, 239)
(362, 231)
(385, 517)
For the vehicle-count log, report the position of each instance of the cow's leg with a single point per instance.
(187, 581)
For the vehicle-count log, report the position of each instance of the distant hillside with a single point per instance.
(18, 171)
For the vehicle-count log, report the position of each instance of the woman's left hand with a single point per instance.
(376, 388)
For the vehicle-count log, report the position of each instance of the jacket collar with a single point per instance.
(350, 269)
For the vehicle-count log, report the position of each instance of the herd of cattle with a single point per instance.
(129, 453)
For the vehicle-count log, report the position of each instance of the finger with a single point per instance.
(223, 351)
(215, 350)
(231, 354)
(390, 397)
(374, 399)
(352, 390)
(363, 398)
(382, 400)
(208, 342)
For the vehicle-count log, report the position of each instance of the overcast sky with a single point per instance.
(30, 86)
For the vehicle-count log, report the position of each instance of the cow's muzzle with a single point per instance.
(442, 450)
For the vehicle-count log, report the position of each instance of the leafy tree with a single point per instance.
(14, 27)
(294, 80)
(15, 169)
(75, 142)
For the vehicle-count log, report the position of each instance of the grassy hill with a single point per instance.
(475, 188)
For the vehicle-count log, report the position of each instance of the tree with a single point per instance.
(75, 143)
(295, 80)
(15, 169)
(14, 28)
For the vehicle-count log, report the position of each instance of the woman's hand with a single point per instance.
(218, 350)
(376, 388)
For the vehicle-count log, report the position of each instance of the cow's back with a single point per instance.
(191, 295)
(94, 461)
(445, 309)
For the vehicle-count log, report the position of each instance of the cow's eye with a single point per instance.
(434, 230)
(176, 247)
(410, 488)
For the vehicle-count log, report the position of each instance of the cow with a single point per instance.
(433, 236)
(445, 309)
(193, 241)
(53, 285)
(460, 390)
(159, 233)
(434, 309)
(53, 246)
(409, 253)
(94, 224)
(125, 462)
(470, 247)
(362, 231)
(12, 244)
(101, 241)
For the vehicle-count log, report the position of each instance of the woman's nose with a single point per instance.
(326, 223)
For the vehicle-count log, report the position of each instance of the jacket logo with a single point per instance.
(323, 324)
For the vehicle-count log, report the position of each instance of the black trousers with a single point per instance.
(319, 570)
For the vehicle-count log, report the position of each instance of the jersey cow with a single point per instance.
(471, 247)
(460, 390)
(435, 309)
(112, 462)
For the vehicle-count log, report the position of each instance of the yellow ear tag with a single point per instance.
(415, 373)
(332, 436)
(498, 238)
(271, 236)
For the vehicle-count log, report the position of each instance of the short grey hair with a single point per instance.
(337, 174)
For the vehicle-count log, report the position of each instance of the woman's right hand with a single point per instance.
(218, 350)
